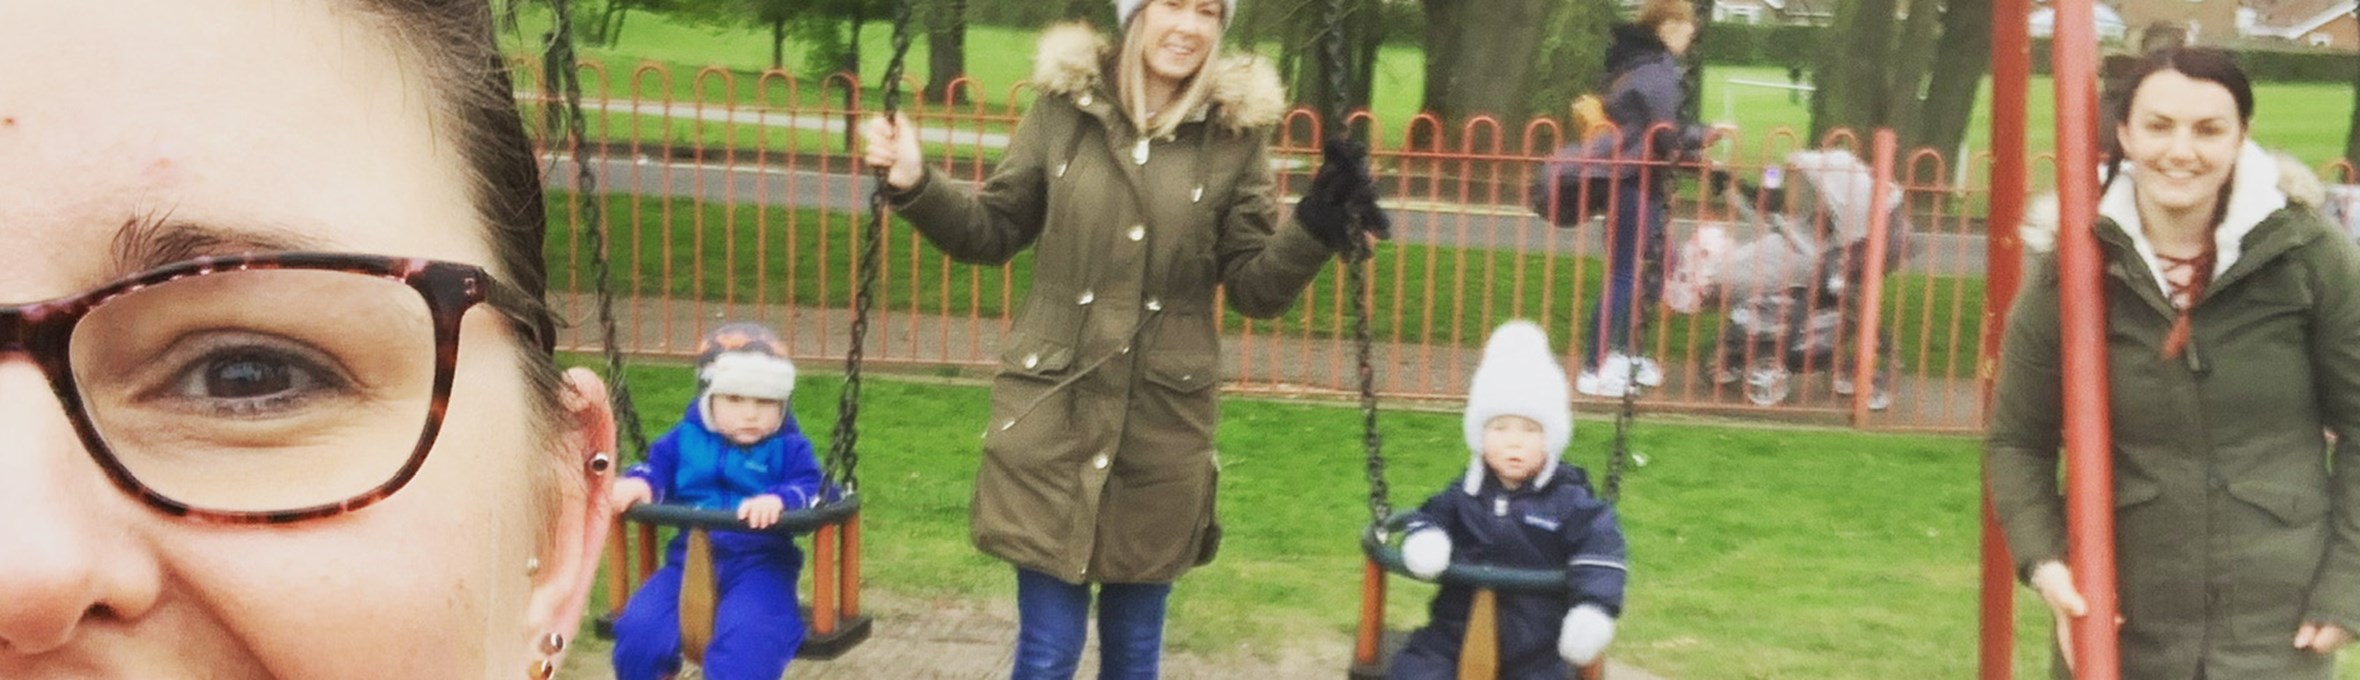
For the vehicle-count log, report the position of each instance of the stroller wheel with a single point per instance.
(1767, 382)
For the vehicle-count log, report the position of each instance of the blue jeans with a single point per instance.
(1053, 621)
(1634, 265)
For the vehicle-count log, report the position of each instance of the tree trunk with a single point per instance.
(1907, 67)
(2352, 138)
(946, 50)
(1950, 98)
(1851, 69)
(778, 42)
(1479, 56)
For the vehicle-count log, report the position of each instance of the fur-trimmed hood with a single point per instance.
(2264, 182)
(1072, 61)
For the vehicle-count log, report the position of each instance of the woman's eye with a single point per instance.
(252, 380)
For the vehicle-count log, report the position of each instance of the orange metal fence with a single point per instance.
(731, 196)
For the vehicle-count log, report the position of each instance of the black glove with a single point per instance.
(1339, 192)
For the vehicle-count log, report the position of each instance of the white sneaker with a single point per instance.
(1610, 385)
(1650, 373)
(1612, 377)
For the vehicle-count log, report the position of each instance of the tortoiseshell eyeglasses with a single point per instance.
(259, 388)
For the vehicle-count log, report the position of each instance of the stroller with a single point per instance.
(1790, 287)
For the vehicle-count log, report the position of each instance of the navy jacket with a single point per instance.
(1560, 525)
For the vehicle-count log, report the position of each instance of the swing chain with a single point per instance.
(1357, 259)
(843, 447)
(561, 56)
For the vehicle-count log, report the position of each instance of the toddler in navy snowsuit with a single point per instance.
(737, 449)
(1518, 506)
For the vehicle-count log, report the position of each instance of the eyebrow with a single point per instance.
(150, 240)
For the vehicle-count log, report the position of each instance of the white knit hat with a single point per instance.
(1518, 376)
(1125, 9)
(745, 374)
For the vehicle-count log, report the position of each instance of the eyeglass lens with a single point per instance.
(259, 390)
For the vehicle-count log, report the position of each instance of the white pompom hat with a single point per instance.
(1518, 376)
(760, 375)
(1125, 9)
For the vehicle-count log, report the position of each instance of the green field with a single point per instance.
(2309, 120)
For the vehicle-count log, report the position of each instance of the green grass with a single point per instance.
(748, 254)
(2308, 119)
(1757, 553)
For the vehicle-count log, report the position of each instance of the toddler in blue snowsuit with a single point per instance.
(738, 449)
(1518, 506)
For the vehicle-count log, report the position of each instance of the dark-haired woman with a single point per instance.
(2233, 348)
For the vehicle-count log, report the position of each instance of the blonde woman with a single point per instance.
(1140, 177)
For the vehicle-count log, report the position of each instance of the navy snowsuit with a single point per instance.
(1558, 525)
(757, 625)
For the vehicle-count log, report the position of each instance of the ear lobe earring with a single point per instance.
(546, 667)
(599, 462)
(532, 566)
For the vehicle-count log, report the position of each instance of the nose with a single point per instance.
(62, 556)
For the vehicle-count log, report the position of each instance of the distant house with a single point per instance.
(2324, 24)
(2043, 22)
(1775, 12)
(2198, 22)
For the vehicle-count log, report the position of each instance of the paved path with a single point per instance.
(963, 640)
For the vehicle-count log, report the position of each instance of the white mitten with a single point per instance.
(1587, 630)
(1426, 552)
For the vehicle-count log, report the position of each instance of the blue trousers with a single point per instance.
(1053, 620)
(1634, 265)
(756, 624)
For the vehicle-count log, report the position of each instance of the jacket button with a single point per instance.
(1084, 100)
(1086, 297)
(1098, 461)
(1137, 232)
(1155, 305)
(1031, 360)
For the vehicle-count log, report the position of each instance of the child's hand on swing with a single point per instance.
(627, 492)
(1426, 552)
(761, 511)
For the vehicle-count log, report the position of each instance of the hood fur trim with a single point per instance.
(1246, 93)
(2250, 201)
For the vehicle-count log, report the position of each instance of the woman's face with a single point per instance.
(1676, 36)
(1178, 36)
(240, 125)
(2181, 137)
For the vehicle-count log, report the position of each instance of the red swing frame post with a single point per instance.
(2089, 463)
(2089, 493)
(2011, 75)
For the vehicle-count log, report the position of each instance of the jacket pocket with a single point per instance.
(2292, 506)
(2130, 492)
(1025, 355)
(1184, 372)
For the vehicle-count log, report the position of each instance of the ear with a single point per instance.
(579, 527)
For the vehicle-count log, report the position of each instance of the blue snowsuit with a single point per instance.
(1557, 525)
(757, 623)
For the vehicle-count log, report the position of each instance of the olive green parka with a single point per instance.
(1098, 461)
(2235, 522)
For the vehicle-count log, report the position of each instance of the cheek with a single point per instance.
(429, 582)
